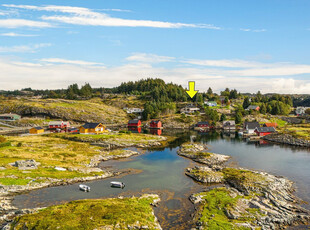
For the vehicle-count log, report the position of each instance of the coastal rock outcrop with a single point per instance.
(287, 139)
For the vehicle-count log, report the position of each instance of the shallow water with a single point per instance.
(162, 172)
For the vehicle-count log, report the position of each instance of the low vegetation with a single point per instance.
(92, 214)
(48, 151)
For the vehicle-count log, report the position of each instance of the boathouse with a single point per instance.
(203, 124)
(134, 123)
(156, 124)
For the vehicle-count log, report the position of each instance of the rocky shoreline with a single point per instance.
(287, 139)
(249, 200)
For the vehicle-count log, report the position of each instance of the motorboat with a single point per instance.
(84, 187)
(117, 184)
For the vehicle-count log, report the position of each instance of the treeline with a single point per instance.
(275, 104)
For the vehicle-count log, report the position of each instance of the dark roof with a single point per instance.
(90, 125)
(135, 121)
(155, 121)
(38, 128)
(203, 123)
(266, 129)
(229, 123)
(251, 125)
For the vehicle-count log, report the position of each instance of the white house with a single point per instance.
(210, 103)
(189, 109)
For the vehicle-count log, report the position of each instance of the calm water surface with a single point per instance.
(162, 172)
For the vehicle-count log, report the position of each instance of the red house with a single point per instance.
(263, 131)
(203, 124)
(156, 124)
(73, 130)
(58, 124)
(134, 123)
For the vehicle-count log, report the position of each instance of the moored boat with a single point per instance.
(84, 187)
(117, 184)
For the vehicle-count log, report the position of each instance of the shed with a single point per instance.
(36, 130)
(203, 124)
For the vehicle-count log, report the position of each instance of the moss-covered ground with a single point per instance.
(91, 214)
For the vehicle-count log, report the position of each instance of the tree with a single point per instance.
(246, 102)
(223, 117)
(263, 108)
(210, 91)
(308, 111)
(238, 118)
(86, 90)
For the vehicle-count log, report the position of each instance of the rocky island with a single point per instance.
(244, 199)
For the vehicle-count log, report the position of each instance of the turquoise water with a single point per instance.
(162, 172)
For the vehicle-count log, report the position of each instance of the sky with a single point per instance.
(248, 45)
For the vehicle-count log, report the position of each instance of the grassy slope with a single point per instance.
(91, 214)
(91, 110)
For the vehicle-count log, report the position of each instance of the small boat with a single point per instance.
(117, 184)
(84, 187)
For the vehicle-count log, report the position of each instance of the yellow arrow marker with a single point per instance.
(191, 92)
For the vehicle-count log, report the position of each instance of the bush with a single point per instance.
(2, 139)
(5, 144)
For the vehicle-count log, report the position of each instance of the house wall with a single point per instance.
(34, 131)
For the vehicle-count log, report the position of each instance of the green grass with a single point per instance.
(50, 152)
(280, 122)
(13, 181)
(212, 213)
(90, 214)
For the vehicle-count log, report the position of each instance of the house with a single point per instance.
(275, 125)
(189, 109)
(134, 123)
(229, 125)
(134, 110)
(250, 127)
(73, 130)
(301, 110)
(156, 124)
(253, 107)
(210, 103)
(203, 124)
(36, 130)
(53, 125)
(263, 131)
(92, 128)
(9, 117)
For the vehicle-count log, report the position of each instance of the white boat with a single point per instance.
(84, 187)
(117, 184)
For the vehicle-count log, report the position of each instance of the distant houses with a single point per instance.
(249, 127)
(300, 111)
(188, 109)
(92, 128)
(253, 107)
(210, 103)
(36, 130)
(263, 131)
(133, 110)
(9, 117)
(229, 125)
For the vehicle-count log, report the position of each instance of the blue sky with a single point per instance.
(248, 45)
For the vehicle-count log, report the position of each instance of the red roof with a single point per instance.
(275, 125)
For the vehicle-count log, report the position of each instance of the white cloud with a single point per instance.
(85, 16)
(253, 30)
(23, 48)
(12, 34)
(223, 63)
(65, 61)
(149, 58)
(44, 75)
(14, 23)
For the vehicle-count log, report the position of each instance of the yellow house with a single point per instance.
(36, 130)
(94, 128)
